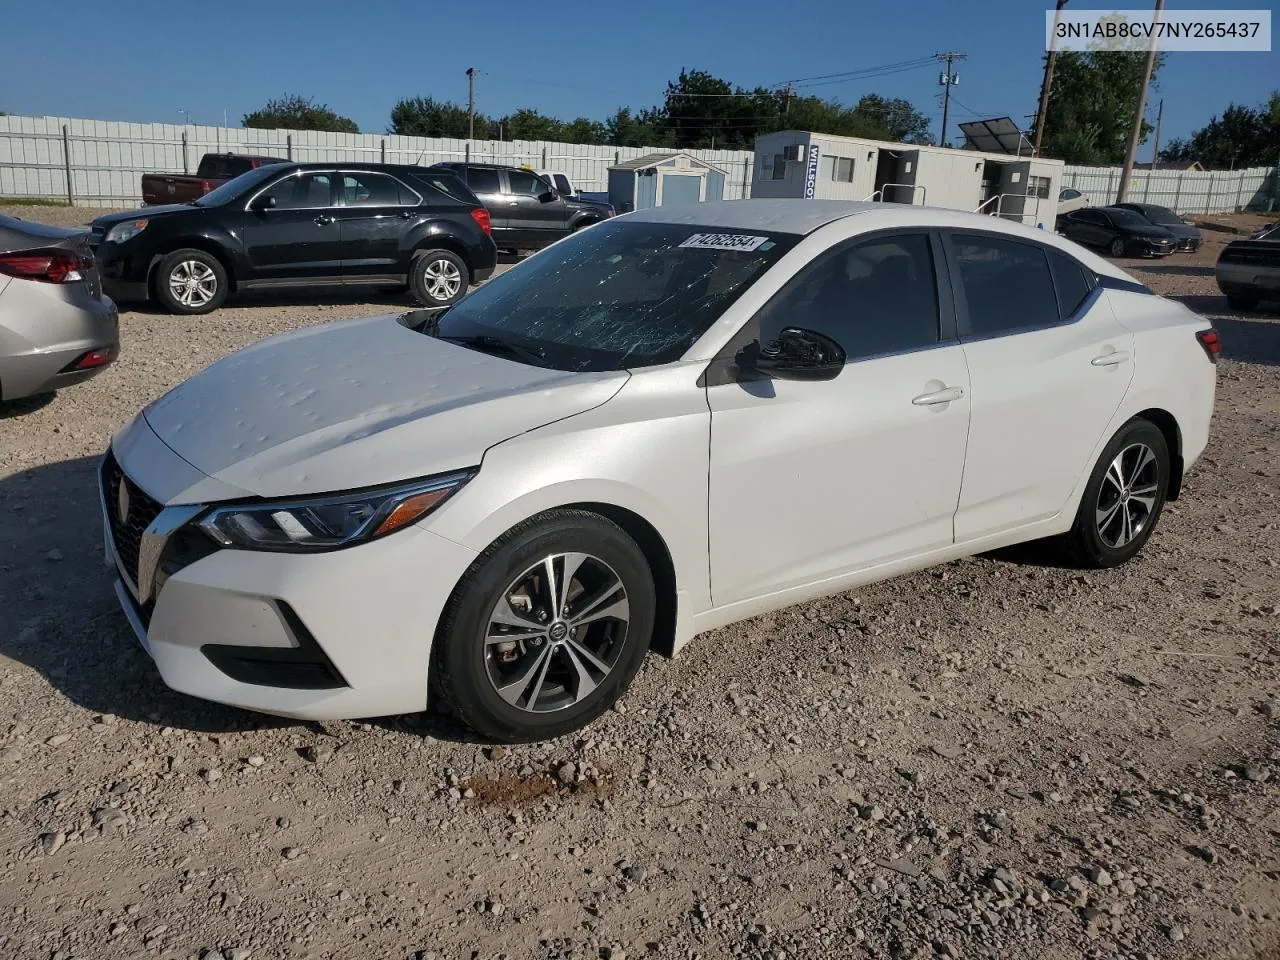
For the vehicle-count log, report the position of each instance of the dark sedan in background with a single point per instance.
(1188, 235)
(1121, 232)
(1248, 271)
(302, 224)
(56, 327)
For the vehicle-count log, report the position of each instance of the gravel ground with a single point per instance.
(993, 758)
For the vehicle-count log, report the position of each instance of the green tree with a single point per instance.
(293, 112)
(582, 130)
(528, 124)
(429, 117)
(1241, 137)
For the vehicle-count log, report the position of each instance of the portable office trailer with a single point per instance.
(660, 179)
(796, 163)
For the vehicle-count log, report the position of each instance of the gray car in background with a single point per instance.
(57, 327)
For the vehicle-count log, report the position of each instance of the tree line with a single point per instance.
(698, 111)
(1090, 116)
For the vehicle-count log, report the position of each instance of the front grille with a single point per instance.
(126, 533)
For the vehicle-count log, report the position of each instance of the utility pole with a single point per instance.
(1132, 153)
(471, 103)
(947, 80)
(1155, 152)
(1047, 85)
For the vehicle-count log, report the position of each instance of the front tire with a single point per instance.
(1124, 498)
(438, 278)
(1117, 247)
(546, 629)
(190, 282)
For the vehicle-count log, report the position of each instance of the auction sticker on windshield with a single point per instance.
(723, 241)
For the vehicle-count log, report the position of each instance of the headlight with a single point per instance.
(328, 523)
(125, 231)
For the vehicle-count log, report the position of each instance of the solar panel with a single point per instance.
(998, 135)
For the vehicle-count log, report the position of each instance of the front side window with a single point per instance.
(872, 296)
(243, 185)
(305, 192)
(562, 184)
(618, 296)
(526, 184)
(1007, 285)
(1068, 194)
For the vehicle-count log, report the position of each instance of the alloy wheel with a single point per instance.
(192, 283)
(556, 632)
(1127, 498)
(442, 279)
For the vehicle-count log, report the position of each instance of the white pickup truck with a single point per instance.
(564, 186)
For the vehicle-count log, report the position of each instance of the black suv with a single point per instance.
(301, 224)
(527, 212)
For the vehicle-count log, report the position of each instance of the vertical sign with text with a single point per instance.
(811, 173)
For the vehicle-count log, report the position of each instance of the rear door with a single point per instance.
(375, 211)
(535, 220)
(1049, 365)
(297, 239)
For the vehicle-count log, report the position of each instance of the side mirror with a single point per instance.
(798, 354)
(264, 203)
(547, 197)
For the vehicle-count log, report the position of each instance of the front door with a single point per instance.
(814, 480)
(374, 214)
(298, 238)
(1050, 365)
(535, 219)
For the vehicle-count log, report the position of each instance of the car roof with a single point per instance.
(779, 216)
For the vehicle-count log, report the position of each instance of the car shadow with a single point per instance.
(1245, 338)
(1175, 269)
(61, 619)
(25, 405)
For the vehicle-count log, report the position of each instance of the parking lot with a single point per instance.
(992, 758)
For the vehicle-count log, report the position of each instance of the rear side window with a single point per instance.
(449, 185)
(1007, 285)
(1071, 282)
(361, 189)
(873, 297)
(482, 180)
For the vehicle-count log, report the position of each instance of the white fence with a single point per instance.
(1183, 191)
(101, 162)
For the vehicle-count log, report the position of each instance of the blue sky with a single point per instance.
(145, 60)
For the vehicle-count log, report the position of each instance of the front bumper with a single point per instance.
(323, 636)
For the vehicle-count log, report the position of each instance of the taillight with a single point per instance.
(95, 358)
(481, 216)
(206, 185)
(47, 266)
(1211, 343)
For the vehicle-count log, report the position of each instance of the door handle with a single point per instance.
(324, 220)
(1111, 359)
(946, 395)
(513, 203)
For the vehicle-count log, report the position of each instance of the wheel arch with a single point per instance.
(442, 241)
(204, 244)
(1167, 424)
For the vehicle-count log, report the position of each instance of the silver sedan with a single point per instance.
(57, 327)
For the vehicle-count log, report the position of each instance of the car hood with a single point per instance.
(1180, 230)
(108, 219)
(576, 203)
(359, 403)
(1153, 232)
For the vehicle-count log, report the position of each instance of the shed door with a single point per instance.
(679, 188)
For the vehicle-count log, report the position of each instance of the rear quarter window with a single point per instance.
(1072, 283)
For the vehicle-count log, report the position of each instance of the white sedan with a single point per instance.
(660, 425)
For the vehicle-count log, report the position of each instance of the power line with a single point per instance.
(904, 64)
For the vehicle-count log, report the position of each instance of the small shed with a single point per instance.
(662, 179)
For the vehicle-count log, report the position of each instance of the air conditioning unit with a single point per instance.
(795, 153)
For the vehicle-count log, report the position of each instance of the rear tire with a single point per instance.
(518, 662)
(1238, 302)
(438, 278)
(1117, 247)
(190, 282)
(1123, 499)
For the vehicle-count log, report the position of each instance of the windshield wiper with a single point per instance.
(487, 343)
